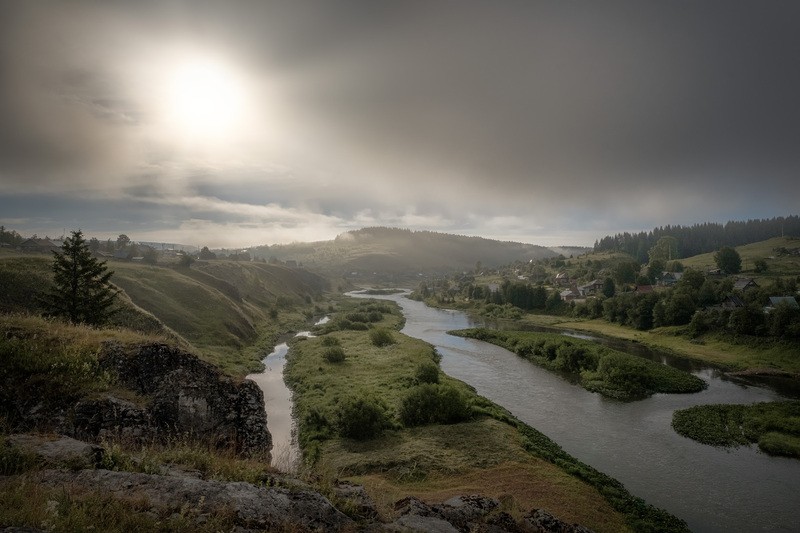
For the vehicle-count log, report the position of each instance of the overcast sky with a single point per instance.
(237, 123)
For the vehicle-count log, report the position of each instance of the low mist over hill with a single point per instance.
(397, 252)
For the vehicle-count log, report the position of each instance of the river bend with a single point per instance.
(713, 489)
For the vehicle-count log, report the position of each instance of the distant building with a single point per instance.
(39, 246)
(570, 294)
(668, 279)
(644, 289)
(732, 302)
(562, 279)
(744, 284)
(775, 301)
(593, 287)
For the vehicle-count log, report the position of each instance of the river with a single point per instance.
(713, 489)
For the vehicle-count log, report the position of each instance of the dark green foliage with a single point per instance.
(81, 291)
(609, 288)
(427, 372)
(775, 426)
(331, 341)
(362, 418)
(728, 260)
(432, 403)
(14, 460)
(381, 337)
(185, 261)
(609, 372)
(334, 354)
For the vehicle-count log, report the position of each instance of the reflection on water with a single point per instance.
(713, 489)
(278, 404)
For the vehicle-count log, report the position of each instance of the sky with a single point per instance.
(238, 123)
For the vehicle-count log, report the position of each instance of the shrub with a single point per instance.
(334, 354)
(361, 418)
(381, 337)
(427, 372)
(431, 403)
(331, 341)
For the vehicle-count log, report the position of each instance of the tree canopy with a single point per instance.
(81, 289)
(728, 259)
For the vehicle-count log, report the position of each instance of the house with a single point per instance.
(716, 273)
(644, 289)
(775, 301)
(562, 279)
(570, 294)
(732, 302)
(668, 279)
(39, 246)
(744, 284)
(591, 288)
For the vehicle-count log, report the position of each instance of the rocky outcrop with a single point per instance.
(463, 514)
(253, 507)
(186, 397)
(58, 451)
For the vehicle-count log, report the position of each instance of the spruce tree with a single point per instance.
(81, 292)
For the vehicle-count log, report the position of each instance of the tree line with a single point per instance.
(700, 238)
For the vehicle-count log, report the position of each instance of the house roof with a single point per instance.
(775, 301)
(744, 283)
(644, 288)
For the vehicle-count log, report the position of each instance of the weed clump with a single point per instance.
(381, 337)
(334, 354)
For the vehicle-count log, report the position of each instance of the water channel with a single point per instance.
(713, 489)
(278, 405)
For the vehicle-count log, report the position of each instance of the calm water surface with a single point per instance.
(278, 405)
(713, 489)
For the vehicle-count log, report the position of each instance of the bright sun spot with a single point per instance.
(205, 99)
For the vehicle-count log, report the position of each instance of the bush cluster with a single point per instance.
(334, 354)
(381, 337)
(432, 403)
(362, 418)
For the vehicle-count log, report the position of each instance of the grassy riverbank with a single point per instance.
(736, 353)
(442, 449)
(774, 426)
(598, 368)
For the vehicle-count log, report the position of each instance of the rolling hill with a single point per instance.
(220, 308)
(394, 253)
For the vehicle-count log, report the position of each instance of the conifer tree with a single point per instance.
(81, 292)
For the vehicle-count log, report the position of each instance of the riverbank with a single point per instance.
(487, 451)
(597, 368)
(755, 356)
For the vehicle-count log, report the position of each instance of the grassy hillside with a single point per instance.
(777, 265)
(396, 252)
(222, 308)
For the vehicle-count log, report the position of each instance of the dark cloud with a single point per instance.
(565, 115)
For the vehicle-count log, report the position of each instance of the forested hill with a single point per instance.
(701, 238)
(401, 251)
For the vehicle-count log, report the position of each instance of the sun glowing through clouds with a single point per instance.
(204, 99)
